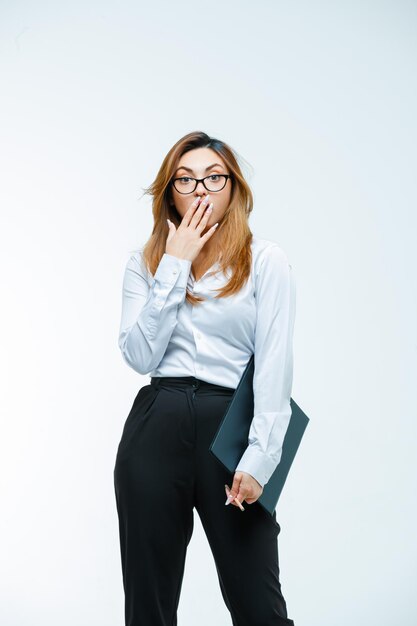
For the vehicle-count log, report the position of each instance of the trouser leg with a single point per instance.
(244, 543)
(153, 480)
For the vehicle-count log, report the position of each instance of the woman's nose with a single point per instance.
(200, 190)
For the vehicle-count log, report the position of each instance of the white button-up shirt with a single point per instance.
(162, 334)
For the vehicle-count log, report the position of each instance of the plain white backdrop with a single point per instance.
(319, 99)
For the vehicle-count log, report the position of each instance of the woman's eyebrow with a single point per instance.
(190, 170)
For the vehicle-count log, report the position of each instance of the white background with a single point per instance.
(319, 98)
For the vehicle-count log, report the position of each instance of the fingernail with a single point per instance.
(229, 499)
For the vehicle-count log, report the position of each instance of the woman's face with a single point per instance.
(198, 163)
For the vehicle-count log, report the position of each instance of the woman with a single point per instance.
(199, 299)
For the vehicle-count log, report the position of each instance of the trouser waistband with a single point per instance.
(187, 381)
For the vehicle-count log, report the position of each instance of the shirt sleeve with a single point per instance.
(149, 312)
(273, 365)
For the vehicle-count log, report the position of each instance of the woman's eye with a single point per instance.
(184, 179)
(214, 177)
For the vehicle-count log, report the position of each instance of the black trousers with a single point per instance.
(164, 470)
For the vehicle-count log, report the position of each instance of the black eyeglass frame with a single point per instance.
(201, 180)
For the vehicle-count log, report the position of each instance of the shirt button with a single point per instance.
(198, 336)
(175, 272)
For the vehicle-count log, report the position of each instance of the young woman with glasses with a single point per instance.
(199, 298)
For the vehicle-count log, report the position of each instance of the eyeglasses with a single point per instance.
(186, 184)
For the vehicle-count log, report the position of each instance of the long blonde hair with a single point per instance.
(233, 235)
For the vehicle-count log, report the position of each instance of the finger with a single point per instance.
(238, 501)
(197, 215)
(205, 218)
(199, 212)
(171, 230)
(230, 496)
(189, 214)
(209, 233)
(242, 508)
(237, 479)
(241, 496)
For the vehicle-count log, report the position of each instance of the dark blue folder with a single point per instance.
(231, 439)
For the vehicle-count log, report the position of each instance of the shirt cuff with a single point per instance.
(257, 464)
(173, 271)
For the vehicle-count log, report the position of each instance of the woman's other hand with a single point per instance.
(244, 487)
